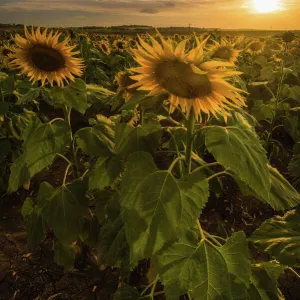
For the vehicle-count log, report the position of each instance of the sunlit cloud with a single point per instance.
(199, 13)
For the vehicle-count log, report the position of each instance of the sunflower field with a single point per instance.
(149, 166)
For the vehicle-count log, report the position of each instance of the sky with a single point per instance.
(226, 14)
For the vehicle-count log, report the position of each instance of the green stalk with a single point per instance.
(141, 109)
(67, 117)
(189, 140)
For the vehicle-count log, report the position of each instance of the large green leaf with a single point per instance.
(98, 140)
(237, 257)
(194, 191)
(42, 145)
(238, 148)
(141, 138)
(64, 255)
(62, 208)
(294, 166)
(104, 172)
(34, 223)
(19, 174)
(280, 237)
(196, 268)
(264, 281)
(74, 96)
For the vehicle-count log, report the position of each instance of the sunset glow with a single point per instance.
(266, 6)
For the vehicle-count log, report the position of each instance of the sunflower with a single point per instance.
(192, 84)
(124, 82)
(256, 47)
(225, 51)
(42, 57)
(120, 44)
(104, 47)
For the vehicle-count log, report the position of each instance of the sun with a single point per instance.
(266, 6)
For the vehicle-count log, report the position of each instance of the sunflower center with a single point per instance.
(223, 53)
(179, 79)
(256, 46)
(46, 59)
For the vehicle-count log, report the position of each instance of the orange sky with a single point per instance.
(200, 13)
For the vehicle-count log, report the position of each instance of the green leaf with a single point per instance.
(267, 73)
(294, 165)
(237, 257)
(63, 207)
(34, 223)
(141, 138)
(5, 148)
(102, 198)
(126, 292)
(264, 286)
(262, 111)
(280, 237)
(136, 99)
(104, 172)
(295, 92)
(42, 145)
(98, 140)
(152, 214)
(64, 255)
(195, 268)
(238, 148)
(29, 96)
(7, 84)
(194, 189)
(19, 174)
(74, 96)
(27, 207)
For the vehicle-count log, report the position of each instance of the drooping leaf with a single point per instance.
(64, 255)
(264, 284)
(4, 107)
(74, 96)
(19, 174)
(280, 237)
(238, 148)
(141, 138)
(42, 145)
(104, 172)
(63, 207)
(294, 166)
(98, 140)
(196, 268)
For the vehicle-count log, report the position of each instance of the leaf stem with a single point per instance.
(56, 119)
(293, 271)
(218, 174)
(66, 174)
(141, 108)
(62, 156)
(206, 166)
(189, 140)
(175, 162)
(200, 230)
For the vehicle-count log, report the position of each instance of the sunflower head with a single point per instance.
(120, 45)
(255, 47)
(43, 57)
(176, 36)
(194, 85)
(288, 36)
(124, 82)
(104, 47)
(224, 51)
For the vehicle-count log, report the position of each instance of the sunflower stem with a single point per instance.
(189, 140)
(141, 108)
(67, 115)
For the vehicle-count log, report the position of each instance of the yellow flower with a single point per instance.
(192, 84)
(225, 51)
(42, 57)
(104, 47)
(256, 47)
(120, 45)
(124, 81)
